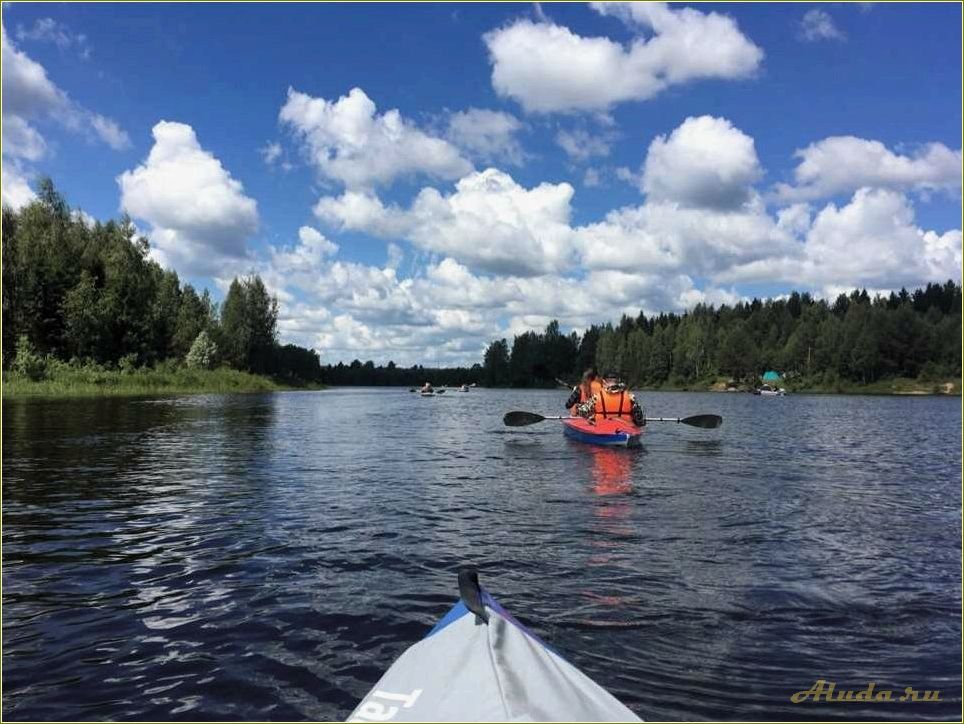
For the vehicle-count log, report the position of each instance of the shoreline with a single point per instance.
(898, 387)
(87, 383)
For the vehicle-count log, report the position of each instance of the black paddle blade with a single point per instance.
(705, 421)
(519, 418)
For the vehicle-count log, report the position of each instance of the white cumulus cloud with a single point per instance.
(705, 162)
(198, 212)
(548, 68)
(363, 211)
(349, 142)
(489, 222)
(664, 236)
(842, 164)
(307, 256)
(871, 241)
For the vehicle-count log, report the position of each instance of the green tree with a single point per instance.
(194, 315)
(249, 319)
(235, 332)
(690, 349)
(203, 353)
(86, 327)
(495, 364)
(737, 354)
(263, 312)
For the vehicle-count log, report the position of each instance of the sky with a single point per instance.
(415, 181)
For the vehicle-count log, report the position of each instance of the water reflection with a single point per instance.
(612, 470)
(712, 446)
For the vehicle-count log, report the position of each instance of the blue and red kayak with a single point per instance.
(610, 431)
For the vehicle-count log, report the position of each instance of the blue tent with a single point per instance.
(771, 376)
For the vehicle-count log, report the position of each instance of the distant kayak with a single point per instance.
(602, 431)
(480, 664)
(426, 393)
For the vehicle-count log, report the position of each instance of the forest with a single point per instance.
(855, 339)
(89, 296)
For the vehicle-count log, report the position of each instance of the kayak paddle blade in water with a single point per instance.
(519, 418)
(479, 664)
(706, 421)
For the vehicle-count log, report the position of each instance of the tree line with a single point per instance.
(855, 338)
(89, 294)
(367, 373)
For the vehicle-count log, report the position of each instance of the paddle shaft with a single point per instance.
(520, 418)
(648, 419)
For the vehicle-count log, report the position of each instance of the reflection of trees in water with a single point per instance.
(134, 484)
(76, 448)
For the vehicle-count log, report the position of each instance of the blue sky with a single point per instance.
(544, 161)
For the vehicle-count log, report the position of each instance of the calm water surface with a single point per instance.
(267, 557)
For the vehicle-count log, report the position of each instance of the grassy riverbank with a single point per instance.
(67, 381)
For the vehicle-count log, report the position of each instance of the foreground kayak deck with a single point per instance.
(602, 431)
(479, 664)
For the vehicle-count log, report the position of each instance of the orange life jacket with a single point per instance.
(608, 404)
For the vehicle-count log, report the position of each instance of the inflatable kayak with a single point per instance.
(602, 430)
(479, 664)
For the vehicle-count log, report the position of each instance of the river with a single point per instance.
(266, 557)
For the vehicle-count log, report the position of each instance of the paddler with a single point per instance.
(604, 396)
(584, 390)
(427, 387)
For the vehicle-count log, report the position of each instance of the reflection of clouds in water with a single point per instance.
(192, 483)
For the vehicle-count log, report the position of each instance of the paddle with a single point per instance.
(518, 418)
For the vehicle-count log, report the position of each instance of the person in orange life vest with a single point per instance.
(584, 391)
(607, 397)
